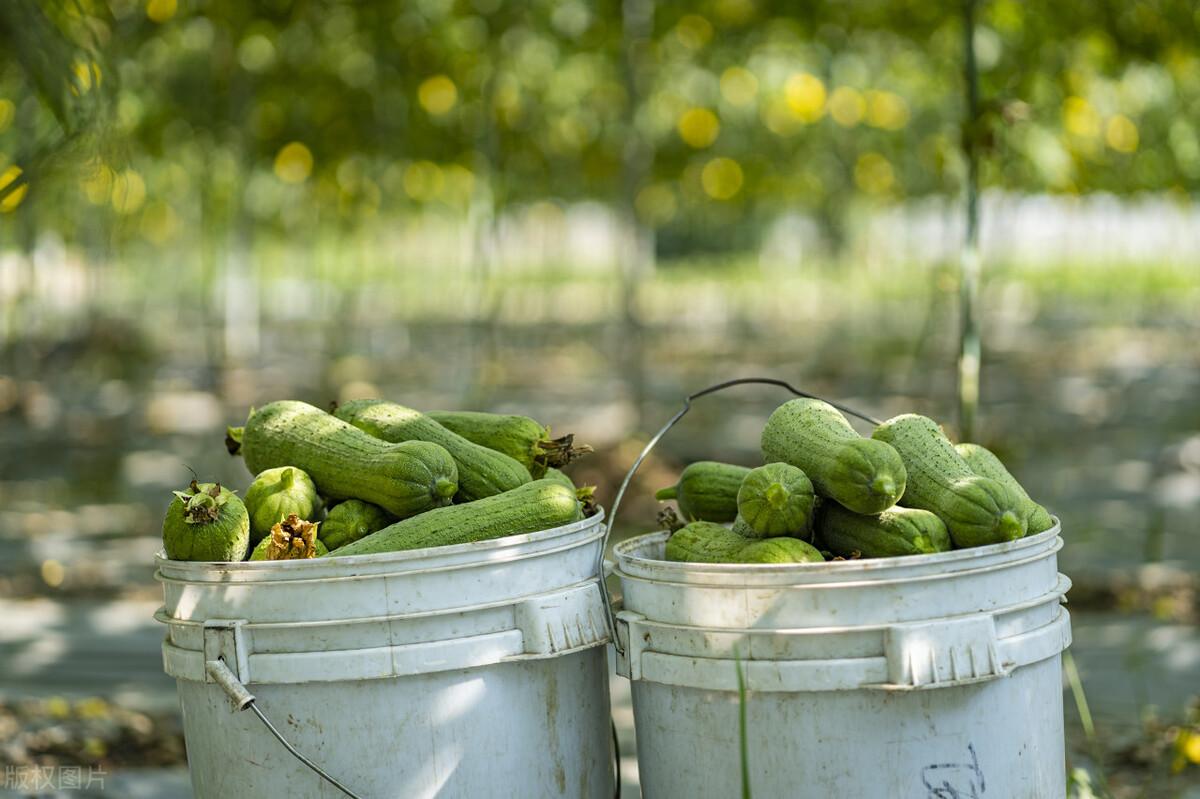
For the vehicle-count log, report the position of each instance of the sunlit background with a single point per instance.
(581, 212)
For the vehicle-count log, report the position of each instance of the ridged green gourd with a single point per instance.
(206, 522)
(864, 475)
(708, 542)
(346, 463)
(704, 542)
(482, 472)
(560, 477)
(260, 551)
(779, 550)
(585, 494)
(527, 440)
(277, 493)
(977, 510)
(707, 491)
(351, 520)
(743, 528)
(895, 532)
(538, 505)
(776, 499)
(983, 462)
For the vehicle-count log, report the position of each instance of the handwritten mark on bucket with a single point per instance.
(955, 780)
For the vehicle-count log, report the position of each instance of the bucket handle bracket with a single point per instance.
(944, 652)
(225, 640)
(227, 664)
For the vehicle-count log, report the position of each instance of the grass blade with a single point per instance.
(743, 746)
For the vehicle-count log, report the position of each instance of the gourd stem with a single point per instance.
(233, 439)
(777, 495)
(556, 453)
(1010, 526)
(884, 486)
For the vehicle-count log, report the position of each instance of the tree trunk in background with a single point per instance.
(636, 257)
(969, 344)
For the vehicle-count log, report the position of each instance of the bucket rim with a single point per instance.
(632, 564)
(445, 557)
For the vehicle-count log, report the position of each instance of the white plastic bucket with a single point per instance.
(927, 676)
(476, 670)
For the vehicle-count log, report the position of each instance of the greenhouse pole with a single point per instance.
(969, 339)
(636, 257)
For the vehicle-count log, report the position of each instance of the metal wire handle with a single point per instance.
(610, 615)
(253, 706)
(295, 753)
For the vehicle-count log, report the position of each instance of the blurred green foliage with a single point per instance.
(699, 117)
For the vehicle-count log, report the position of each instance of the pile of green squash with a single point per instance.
(827, 492)
(373, 476)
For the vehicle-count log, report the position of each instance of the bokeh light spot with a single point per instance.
(437, 95)
(87, 75)
(161, 10)
(722, 178)
(735, 12)
(293, 163)
(886, 110)
(460, 184)
(1080, 118)
(256, 53)
(160, 224)
(873, 173)
(128, 192)
(423, 180)
(805, 96)
(13, 198)
(97, 185)
(53, 573)
(1191, 746)
(656, 204)
(693, 31)
(699, 127)
(1121, 134)
(847, 106)
(739, 86)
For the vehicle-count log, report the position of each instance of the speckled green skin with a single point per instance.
(743, 528)
(274, 495)
(779, 550)
(260, 551)
(518, 437)
(983, 462)
(538, 505)
(707, 491)
(896, 531)
(346, 463)
(560, 477)
(708, 542)
(351, 520)
(225, 539)
(704, 542)
(482, 472)
(776, 499)
(977, 511)
(864, 475)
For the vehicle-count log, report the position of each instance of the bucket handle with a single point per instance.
(242, 699)
(610, 613)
